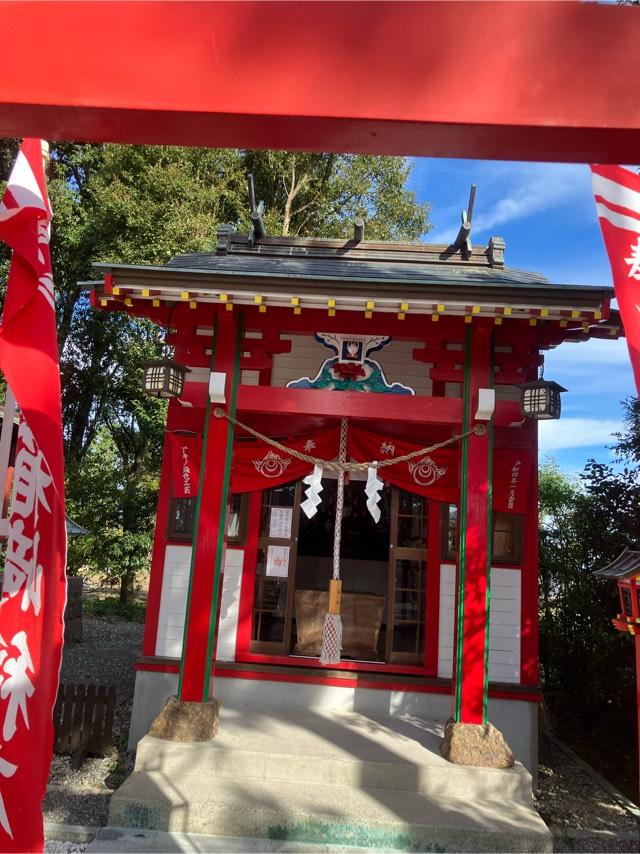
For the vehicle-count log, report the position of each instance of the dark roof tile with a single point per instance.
(626, 565)
(357, 270)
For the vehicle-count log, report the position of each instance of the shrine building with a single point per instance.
(390, 349)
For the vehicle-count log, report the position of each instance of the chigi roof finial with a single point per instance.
(258, 231)
(463, 240)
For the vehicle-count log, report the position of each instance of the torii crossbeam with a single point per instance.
(513, 80)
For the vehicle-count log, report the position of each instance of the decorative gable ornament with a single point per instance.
(351, 368)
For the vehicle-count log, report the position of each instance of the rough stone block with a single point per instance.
(73, 610)
(74, 587)
(478, 745)
(73, 631)
(182, 720)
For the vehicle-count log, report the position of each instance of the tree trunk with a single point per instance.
(291, 194)
(127, 588)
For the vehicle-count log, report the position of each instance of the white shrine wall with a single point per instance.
(504, 624)
(173, 602)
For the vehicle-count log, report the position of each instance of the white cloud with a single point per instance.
(598, 368)
(525, 189)
(577, 433)
(536, 188)
(589, 356)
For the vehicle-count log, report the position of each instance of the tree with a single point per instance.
(143, 204)
(588, 667)
(8, 149)
(112, 490)
(320, 195)
(132, 205)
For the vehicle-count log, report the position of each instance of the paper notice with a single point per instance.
(278, 561)
(280, 522)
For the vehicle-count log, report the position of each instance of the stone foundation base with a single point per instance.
(478, 745)
(185, 721)
(517, 719)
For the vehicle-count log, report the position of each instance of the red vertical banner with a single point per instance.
(186, 453)
(617, 196)
(34, 584)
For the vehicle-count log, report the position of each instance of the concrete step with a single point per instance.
(124, 840)
(328, 777)
(212, 762)
(326, 814)
(336, 749)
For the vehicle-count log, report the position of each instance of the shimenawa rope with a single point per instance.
(340, 466)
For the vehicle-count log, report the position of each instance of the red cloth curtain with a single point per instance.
(257, 465)
(434, 475)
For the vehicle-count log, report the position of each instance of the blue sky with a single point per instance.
(545, 213)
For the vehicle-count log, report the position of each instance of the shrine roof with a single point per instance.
(347, 269)
(359, 261)
(348, 261)
(351, 274)
(626, 565)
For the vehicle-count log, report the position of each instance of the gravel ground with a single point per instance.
(105, 657)
(579, 812)
(569, 800)
(55, 847)
(568, 797)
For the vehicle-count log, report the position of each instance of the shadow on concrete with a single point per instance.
(329, 778)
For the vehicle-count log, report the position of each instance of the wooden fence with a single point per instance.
(83, 720)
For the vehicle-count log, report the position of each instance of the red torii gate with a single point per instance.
(512, 80)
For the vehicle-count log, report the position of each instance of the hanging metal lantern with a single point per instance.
(540, 400)
(164, 378)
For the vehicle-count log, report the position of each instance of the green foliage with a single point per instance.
(628, 445)
(8, 149)
(587, 666)
(150, 202)
(112, 608)
(116, 505)
(319, 195)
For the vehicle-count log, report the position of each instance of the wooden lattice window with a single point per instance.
(183, 512)
(507, 535)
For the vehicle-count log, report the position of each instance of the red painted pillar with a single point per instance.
(474, 548)
(210, 522)
(637, 641)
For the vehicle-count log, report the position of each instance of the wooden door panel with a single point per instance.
(275, 570)
(406, 616)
